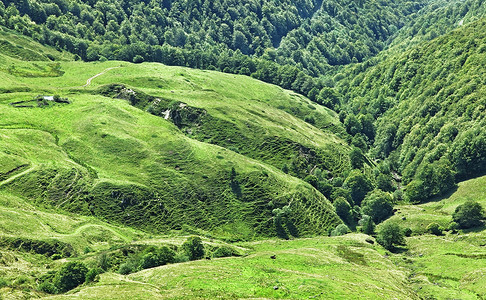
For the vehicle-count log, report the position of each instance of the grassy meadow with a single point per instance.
(100, 179)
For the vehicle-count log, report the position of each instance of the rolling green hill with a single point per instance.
(101, 156)
(117, 169)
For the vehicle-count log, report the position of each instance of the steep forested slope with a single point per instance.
(430, 105)
(436, 19)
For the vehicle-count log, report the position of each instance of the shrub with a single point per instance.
(181, 257)
(93, 274)
(390, 235)
(434, 228)
(56, 256)
(368, 226)
(407, 232)
(452, 226)
(310, 120)
(194, 248)
(359, 186)
(104, 261)
(47, 287)
(154, 257)
(225, 251)
(341, 229)
(3, 282)
(343, 209)
(138, 59)
(356, 158)
(468, 215)
(126, 268)
(70, 276)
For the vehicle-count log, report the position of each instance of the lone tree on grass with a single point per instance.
(468, 215)
(390, 235)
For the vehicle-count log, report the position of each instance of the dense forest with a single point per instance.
(429, 105)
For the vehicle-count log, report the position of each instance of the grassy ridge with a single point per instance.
(131, 160)
(103, 157)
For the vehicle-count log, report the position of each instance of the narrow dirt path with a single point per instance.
(88, 82)
(10, 179)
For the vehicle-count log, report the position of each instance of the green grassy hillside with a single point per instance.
(128, 156)
(322, 268)
(350, 266)
(452, 264)
(99, 155)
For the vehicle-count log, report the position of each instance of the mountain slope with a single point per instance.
(429, 103)
(104, 157)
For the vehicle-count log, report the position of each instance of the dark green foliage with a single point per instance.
(224, 251)
(356, 157)
(3, 282)
(434, 228)
(283, 222)
(47, 287)
(469, 151)
(390, 235)
(70, 276)
(128, 267)
(468, 215)
(359, 185)
(48, 247)
(407, 232)
(384, 182)
(329, 97)
(431, 180)
(312, 180)
(427, 101)
(343, 209)
(194, 248)
(342, 192)
(104, 261)
(235, 185)
(93, 274)
(367, 225)
(378, 205)
(154, 257)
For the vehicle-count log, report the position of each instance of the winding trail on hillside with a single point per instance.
(10, 179)
(88, 82)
